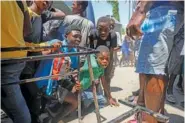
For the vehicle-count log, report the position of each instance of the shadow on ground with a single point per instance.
(115, 89)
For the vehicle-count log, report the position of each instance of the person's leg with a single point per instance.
(180, 82)
(142, 81)
(154, 93)
(170, 96)
(69, 105)
(12, 99)
(109, 71)
(73, 103)
(121, 62)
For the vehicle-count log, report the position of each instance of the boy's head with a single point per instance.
(79, 6)
(42, 4)
(73, 35)
(103, 57)
(103, 27)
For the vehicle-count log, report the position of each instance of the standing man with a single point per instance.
(54, 29)
(175, 64)
(15, 24)
(12, 21)
(159, 21)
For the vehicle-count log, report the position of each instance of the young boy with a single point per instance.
(104, 36)
(65, 88)
(99, 63)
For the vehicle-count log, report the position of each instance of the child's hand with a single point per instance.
(76, 88)
(113, 102)
(56, 46)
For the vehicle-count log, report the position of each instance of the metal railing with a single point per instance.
(87, 52)
(135, 108)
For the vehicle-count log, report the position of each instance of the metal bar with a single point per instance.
(94, 89)
(10, 49)
(159, 117)
(79, 94)
(140, 119)
(127, 103)
(124, 115)
(37, 79)
(43, 57)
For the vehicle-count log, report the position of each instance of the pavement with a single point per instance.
(124, 81)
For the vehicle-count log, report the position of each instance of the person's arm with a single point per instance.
(27, 27)
(107, 91)
(133, 27)
(55, 43)
(114, 42)
(50, 15)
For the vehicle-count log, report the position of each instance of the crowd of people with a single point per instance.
(155, 34)
(37, 23)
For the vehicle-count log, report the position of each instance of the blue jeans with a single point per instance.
(12, 100)
(88, 99)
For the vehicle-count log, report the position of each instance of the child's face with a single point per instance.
(42, 4)
(103, 59)
(74, 37)
(103, 29)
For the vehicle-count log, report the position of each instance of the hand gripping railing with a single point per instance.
(87, 52)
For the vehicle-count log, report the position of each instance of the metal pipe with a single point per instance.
(37, 79)
(159, 117)
(43, 57)
(124, 116)
(10, 49)
(79, 94)
(94, 89)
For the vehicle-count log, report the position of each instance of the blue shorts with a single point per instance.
(88, 99)
(159, 28)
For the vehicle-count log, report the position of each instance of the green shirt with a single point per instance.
(98, 71)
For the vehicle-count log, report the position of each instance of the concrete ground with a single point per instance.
(125, 81)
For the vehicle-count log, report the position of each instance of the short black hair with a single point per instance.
(70, 28)
(102, 49)
(84, 4)
(103, 19)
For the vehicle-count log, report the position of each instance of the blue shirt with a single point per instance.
(74, 59)
(125, 47)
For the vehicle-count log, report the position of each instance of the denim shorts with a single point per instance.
(159, 28)
(88, 99)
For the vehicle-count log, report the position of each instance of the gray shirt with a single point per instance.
(52, 27)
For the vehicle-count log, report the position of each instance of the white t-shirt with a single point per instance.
(85, 25)
(118, 39)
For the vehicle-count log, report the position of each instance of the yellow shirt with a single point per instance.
(12, 20)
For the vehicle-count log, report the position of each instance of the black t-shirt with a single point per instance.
(95, 40)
